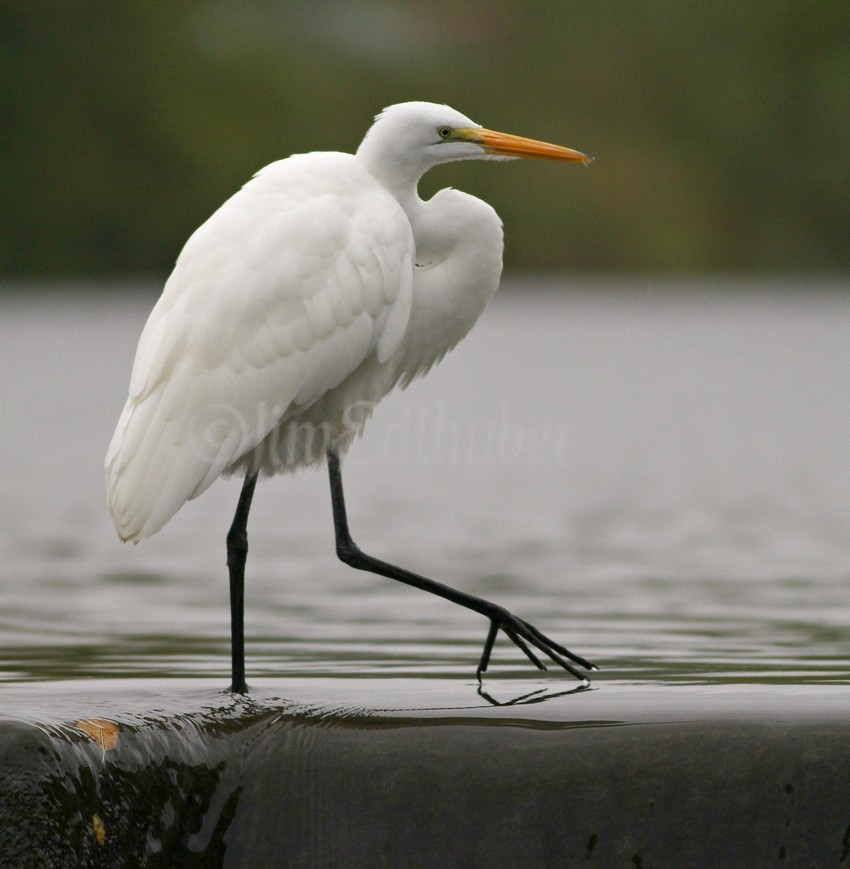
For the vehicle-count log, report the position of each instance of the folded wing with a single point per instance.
(282, 294)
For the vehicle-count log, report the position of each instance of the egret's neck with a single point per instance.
(397, 173)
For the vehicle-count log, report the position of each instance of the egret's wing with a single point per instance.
(276, 299)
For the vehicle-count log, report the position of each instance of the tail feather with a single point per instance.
(157, 461)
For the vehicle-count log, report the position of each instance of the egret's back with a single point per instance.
(286, 291)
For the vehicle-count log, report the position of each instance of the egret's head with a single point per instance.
(413, 137)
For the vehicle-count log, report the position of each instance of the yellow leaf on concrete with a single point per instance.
(103, 732)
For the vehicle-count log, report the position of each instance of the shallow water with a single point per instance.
(659, 479)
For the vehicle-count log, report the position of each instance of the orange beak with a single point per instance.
(506, 145)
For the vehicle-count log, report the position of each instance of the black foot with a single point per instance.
(238, 688)
(521, 634)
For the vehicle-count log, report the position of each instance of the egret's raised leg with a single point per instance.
(520, 632)
(237, 553)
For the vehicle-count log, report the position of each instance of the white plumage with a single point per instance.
(279, 297)
(300, 303)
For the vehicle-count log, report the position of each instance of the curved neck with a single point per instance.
(398, 175)
(459, 261)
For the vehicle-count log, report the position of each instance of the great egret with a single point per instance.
(312, 292)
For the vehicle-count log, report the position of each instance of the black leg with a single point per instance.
(520, 632)
(237, 553)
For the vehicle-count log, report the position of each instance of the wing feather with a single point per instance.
(275, 300)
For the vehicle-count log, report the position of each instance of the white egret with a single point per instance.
(312, 292)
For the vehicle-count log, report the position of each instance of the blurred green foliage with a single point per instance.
(721, 129)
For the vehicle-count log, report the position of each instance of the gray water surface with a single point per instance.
(657, 477)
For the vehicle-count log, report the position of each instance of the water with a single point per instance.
(659, 480)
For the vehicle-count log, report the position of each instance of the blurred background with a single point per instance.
(721, 130)
(643, 446)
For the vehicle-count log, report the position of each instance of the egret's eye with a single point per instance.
(444, 132)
